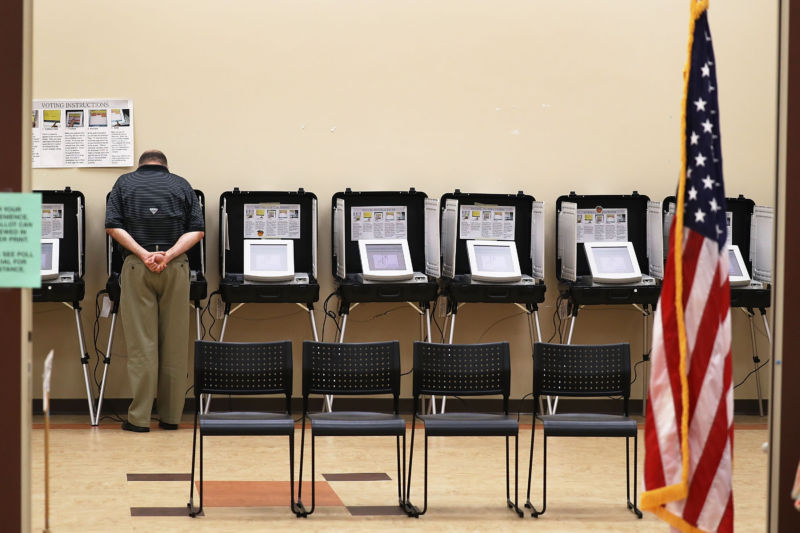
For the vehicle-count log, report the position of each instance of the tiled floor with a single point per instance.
(103, 479)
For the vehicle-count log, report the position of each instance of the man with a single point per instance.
(156, 217)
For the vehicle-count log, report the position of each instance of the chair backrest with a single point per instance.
(582, 370)
(462, 370)
(351, 369)
(241, 368)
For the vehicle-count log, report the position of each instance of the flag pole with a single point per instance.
(48, 370)
(696, 7)
(653, 500)
(47, 470)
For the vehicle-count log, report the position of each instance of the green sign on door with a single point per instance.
(20, 239)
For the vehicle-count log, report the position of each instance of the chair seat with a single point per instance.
(356, 424)
(588, 425)
(246, 423)
(469, 425)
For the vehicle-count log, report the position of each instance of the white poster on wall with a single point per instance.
(602, 224)
(82, 133)
(378, 222)
(495, 222)
(271, 221)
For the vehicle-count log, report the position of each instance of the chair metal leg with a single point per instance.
(301, 510)
(411, 510)
(508, 477)
(528, 504)
(401, 476)
(544, 478)
(292, 503)
(405, 496)
(399, 490)
(515, 505)
(632, 505)
(192, 512)
(534, 512)
(628, 470)
(313, 475)
(425, 476)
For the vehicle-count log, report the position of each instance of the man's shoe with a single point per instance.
(127, 426)
(167, 425)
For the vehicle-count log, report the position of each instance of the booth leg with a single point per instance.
(533, 315)
(344, 312)
(428, 323)
(197, 319)
(766, 324)
(646, 359)
(425, 334)
(450, 341)
(552, 407)
(224, 325)
(756, 361)
(106, 362)
(313, 324)
(344, 326)
(84, 362)
(205, 399)
(571, 328)
(538, 327)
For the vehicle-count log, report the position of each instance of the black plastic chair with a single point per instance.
(583, 371)
(463, 370)
(351, 369)
(242, 368)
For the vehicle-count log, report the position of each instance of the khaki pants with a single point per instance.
(153, 308)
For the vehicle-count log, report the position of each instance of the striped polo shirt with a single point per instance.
(155, 206)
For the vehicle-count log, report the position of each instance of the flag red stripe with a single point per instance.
(654, 469)
(710, 323)
(708, 465)
(693, 246)
(726, 524)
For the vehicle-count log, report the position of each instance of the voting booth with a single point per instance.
(750, 263)
(607, 233)
(198, 290)
(610, 252)
(268, 250)
(492, 249)
(385, 249)
(63, 262)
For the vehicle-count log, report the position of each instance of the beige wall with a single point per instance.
(545, 97)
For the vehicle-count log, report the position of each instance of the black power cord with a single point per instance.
(329, 314)
(100, 355)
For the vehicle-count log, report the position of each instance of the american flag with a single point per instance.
(689, 424)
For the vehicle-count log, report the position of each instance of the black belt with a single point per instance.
(149, 248)
(157, 247)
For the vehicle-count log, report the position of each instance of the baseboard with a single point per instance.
(119, 406)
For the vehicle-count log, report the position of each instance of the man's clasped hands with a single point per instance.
(156, 261)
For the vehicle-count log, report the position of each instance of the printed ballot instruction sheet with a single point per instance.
(271, 221)
(52, 221)
(602, 224)
(494, 222)
(378, 222)
(95, 132)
